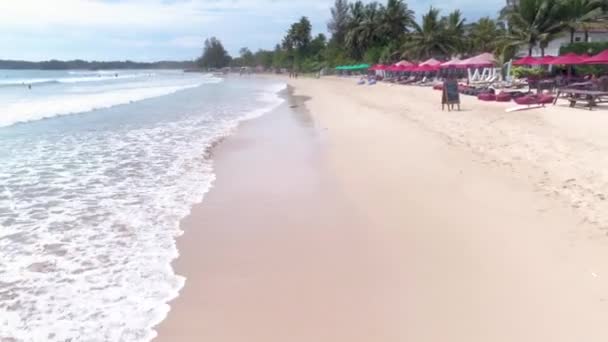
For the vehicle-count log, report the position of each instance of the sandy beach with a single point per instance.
(367, 214)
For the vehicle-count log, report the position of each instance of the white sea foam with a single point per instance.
(81, 79)
(88, 223)
(37, 108)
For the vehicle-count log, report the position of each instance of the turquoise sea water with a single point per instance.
(96, 171)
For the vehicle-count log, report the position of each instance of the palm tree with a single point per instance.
(429, 39)
(338, 24)
(577, 14)
(455, 29)
(485, 34)
(368, 28)
(396, 19)
(351, 41)
(534, 22)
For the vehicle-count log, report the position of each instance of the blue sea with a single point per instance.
(97, 168)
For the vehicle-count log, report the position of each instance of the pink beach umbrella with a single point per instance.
(569, 59)
(378, 67)
(405, 63)
(391, 68)
(545, 60)
(528, 60)
(396, 68)
(450, 64)
(484, 60)
(426, 68)
(431, 62)
(600, 58)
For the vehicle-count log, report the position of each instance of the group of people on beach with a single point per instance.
(293, 74)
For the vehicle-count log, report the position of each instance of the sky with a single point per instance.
(151, 30)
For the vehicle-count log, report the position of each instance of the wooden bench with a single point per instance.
(591, 98)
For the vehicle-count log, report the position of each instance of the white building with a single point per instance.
(597, 35)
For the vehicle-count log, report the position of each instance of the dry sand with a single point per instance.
(381, 218)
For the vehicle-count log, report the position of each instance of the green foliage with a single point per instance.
(431, 38)
(483, 35)
(373, 55)
(578, 14)
(298, 37)
(338, 24)
(523, 72)
(214, 55)
(387, 31)
(537, 22)
(590, 69)
(317, 45)
(263, 58)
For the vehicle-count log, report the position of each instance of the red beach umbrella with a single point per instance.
(396, 68)
(378, 67)
(569, 59)
(426, 68)
(546, 60)
(525, 61)
(600, 58)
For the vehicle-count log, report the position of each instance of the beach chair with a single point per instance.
(531, 101)
(503, 97)
(486, 97)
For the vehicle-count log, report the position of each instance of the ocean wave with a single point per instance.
(64, 104)
(91, 220)
(68, 80)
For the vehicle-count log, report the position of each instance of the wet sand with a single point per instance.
(369, 218)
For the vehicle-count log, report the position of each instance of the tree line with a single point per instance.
(387, 32)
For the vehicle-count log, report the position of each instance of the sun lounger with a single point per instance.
(486, 97)
(529, 100)
(407, 81)
(503, 97)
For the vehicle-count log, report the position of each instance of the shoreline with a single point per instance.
(292, 106)
(377, 217)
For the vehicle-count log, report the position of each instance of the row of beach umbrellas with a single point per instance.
(484, 60)
(487, 60)
(567, 59)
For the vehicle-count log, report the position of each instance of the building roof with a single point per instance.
(597, 27)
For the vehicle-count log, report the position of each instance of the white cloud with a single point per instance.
(136, 15)
(187, 41)
(165, 28)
